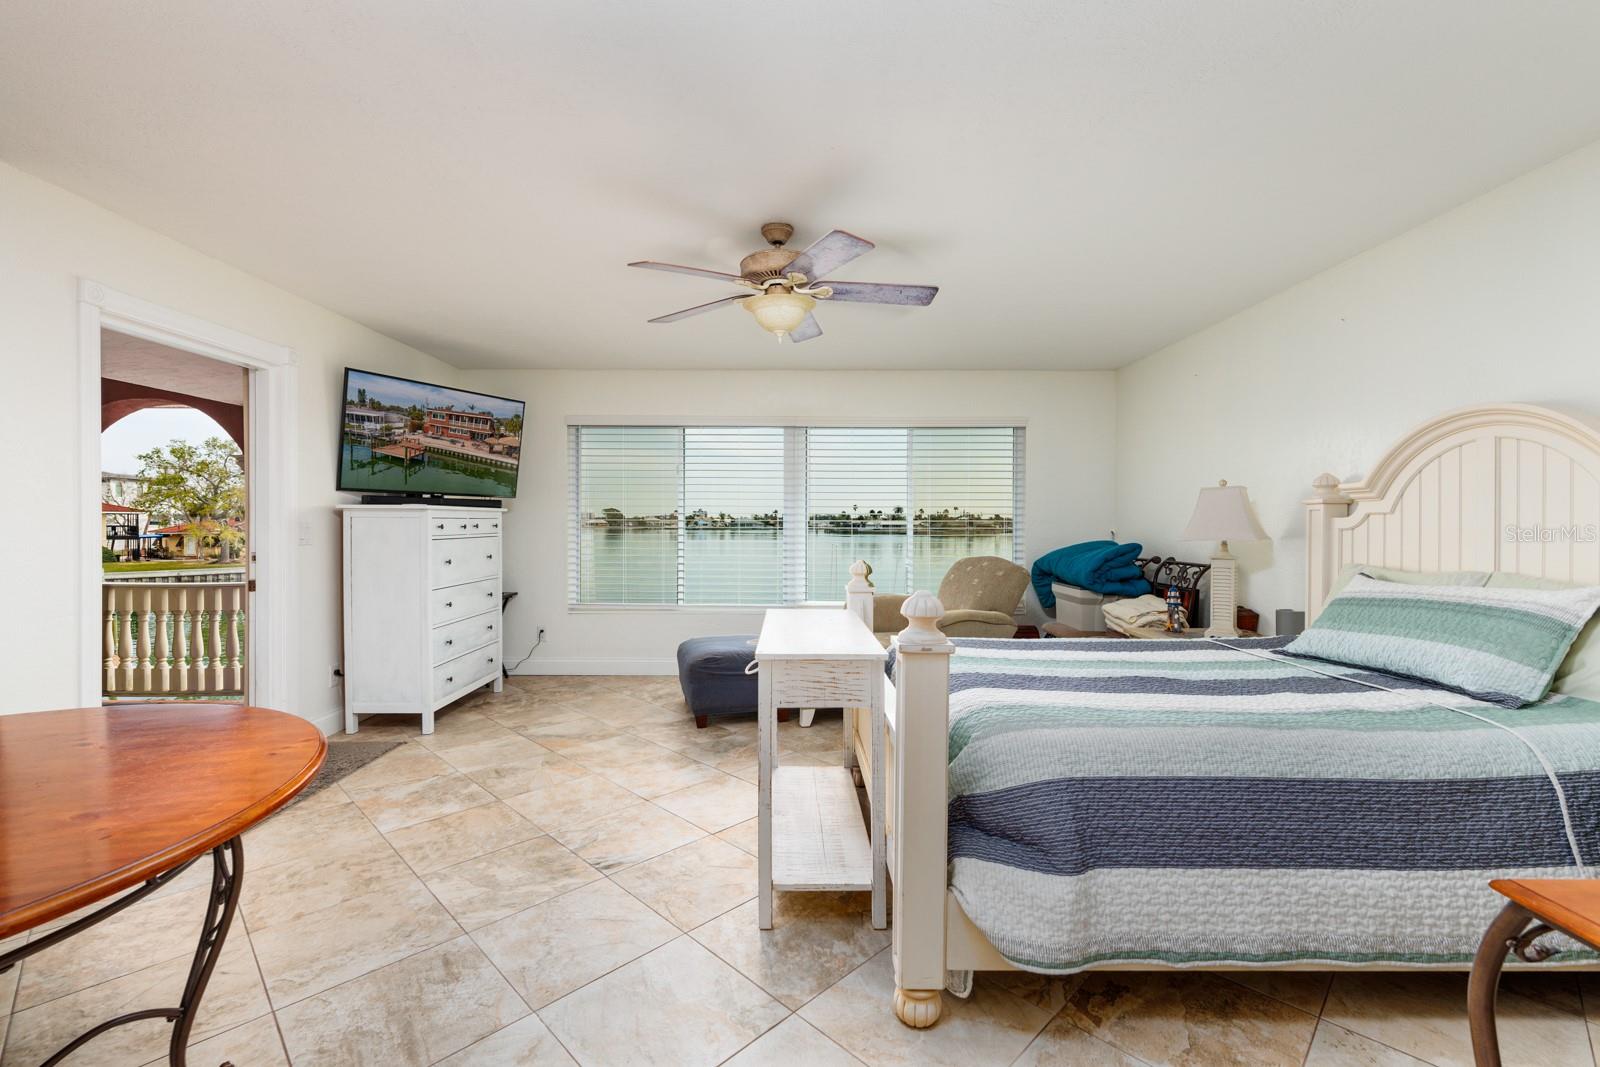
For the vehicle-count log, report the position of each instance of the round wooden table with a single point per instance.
(97, 800)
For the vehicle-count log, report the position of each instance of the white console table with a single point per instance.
(811, 833)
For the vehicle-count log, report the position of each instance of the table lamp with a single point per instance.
(1222, 513)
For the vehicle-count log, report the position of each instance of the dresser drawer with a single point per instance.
(462, 526)
(458, 601)
(458, 560)
(464, 635)
(475, 668)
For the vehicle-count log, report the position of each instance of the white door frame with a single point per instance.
(270, 417)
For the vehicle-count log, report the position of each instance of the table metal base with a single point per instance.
(1508, 935)
(227, 872)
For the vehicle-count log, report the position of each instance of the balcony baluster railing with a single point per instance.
(174, 639)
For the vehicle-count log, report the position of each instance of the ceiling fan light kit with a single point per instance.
(780, 311)
(785, 290)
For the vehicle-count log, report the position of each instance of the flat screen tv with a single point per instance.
(412, 439)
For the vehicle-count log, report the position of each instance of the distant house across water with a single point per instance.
(459, 425)
(370, 421)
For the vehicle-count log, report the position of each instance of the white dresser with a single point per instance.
(422, 623)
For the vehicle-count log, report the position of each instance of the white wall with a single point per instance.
(1498, 300)
(1069, 478)
(48, 240)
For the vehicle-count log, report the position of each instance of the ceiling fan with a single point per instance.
(787, 287)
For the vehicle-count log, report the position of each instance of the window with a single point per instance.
(739, 515)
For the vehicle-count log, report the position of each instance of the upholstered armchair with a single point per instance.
(980, 595)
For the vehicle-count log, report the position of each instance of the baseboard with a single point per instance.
(329, 722)
(600, 666)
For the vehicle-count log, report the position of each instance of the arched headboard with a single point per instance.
(1507, 487)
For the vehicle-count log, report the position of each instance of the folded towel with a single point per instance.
(1137, 610)
(1143, 616)
(1098, 566)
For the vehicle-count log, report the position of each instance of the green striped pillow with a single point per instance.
(1495, 644)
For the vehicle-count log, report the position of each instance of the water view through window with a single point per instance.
(772, 515)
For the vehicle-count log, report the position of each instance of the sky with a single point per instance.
(398, 391)
(121, 444)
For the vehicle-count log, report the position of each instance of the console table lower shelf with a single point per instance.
(818, 839)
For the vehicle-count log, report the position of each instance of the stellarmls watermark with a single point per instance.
(1574, 533)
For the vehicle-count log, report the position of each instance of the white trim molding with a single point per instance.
(272, 412)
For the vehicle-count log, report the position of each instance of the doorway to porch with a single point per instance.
(175, 559)
(268, 640)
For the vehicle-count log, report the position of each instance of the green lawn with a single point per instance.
(168, 565)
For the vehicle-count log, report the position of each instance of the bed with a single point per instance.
(1059, 806)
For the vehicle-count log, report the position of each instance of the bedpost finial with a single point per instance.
(1325, 486)
(924, 611)
(860, 578)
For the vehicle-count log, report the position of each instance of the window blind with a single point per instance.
(964, 495)
(625, 535)
(856, 497)
(733, 499)
(775, 515)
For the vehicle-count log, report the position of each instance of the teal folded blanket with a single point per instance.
(1104, 567)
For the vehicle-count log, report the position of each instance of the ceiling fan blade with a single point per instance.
(675, 269)
(700, 310)
(806, 330)
(882, 293)
(828, 253)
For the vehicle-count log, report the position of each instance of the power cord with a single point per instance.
(537, 642)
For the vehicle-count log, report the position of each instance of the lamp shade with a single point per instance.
(1222, 513)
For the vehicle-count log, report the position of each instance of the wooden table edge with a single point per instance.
(1526, 892)
(85, 893)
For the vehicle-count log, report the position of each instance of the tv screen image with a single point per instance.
(404, 436)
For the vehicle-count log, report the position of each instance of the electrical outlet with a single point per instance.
(335, 677)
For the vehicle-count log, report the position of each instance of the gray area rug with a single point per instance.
(344, 757)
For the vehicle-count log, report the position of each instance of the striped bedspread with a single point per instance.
(1184, 803)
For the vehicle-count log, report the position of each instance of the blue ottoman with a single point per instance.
(711, 672)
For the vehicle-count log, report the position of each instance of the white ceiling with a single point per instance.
(1087, 181)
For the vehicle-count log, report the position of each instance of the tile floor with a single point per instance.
(565, 873)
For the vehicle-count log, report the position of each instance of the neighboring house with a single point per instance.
(124, 529)
(370, 421)
(121, 489)
(179, 541)
(459, 425)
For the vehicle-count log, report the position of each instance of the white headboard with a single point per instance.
(1509, 487)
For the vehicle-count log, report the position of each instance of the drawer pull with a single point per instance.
(449, 603)
(450, 679)
(438, 526)
(489, 593)
(463, 526)
(447, 562)
(474, 526)
(449, 641)
(491, 626)
(491, 659)
(489, 556)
